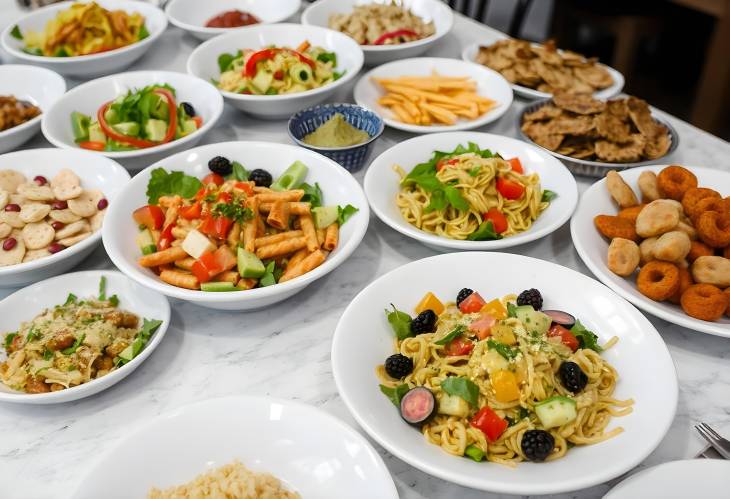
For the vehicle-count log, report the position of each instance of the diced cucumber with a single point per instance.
(127, 354)
(187, 127)
(195, 244)
(218, 286)
(111, 116)
(155, 129)
(534, 321)
(556, 411)
(96, 134)
(249, 265)
(80, 125)
(262, 81)
(291, 178)
(158, 107)
(130, 128)
(324, 216)
(453, 405)
(145, 242)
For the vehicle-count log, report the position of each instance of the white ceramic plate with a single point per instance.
(338, 188)
(96, 172)
(87, 65)
(706, 478)
(593, 247)
(89, 97)
(470, 53)
(203, 63)
(490, 84)
(41, 87)
(25, 304)
(363, 339)
(318, 14)
(310, 451)
(192, 15)
(382, 185)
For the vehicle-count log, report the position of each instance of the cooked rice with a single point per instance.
(230, 481)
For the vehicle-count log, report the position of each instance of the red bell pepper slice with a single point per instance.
(516, 165)
(566, 337)
(92, 145)
(443, 163)
(509, 189)
(191, 212)
(266, 54)
(473, 303)
(151, 216)
(489, 423)
(499, 221)
(394, 34)
(459, 346)
(166, 237)
(134, 141)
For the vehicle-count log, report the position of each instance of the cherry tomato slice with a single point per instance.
(459, 346)
(213, 178)
(516, 165)
(566, 337)
(510, 189)
(473, 303)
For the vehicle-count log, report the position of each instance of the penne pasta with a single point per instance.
(275, 238)
(250, 226)
(271, 196)
(331, 237)
(228, 276)
(297, 257)
(307, 224)
(299, 208)
(185, 263)
(279, 215)
(312, 261)
(320, 236)
(180, 279)
(281, 248)
(162, 257)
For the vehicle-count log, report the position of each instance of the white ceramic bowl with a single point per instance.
(310, 451)
(382, 185)
(41, 87)
(319, 12)
(593, 247)
(191, 15)
(203, 63)
(490, 84)
(470, 53)
(25, 304)
(677, 480)
(96, 173)
(338, 187)
(89, 97)
(87, 65)
(364, 339)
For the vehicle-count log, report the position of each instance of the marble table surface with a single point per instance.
(284, 350)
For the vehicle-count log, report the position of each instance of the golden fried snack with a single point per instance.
(623, 256)
(658, 280)
(648, 186)
(656, 218)
(704, 301)
(631, 213)
(698, 249)
(685, 281)
(675, 180)
(687, 228)
(713, 270)
(713, 229)
(620, 190)
(646, 248)
(710, 204)
(672, 246)
(693, 196)
(612, 226)
(727, 295)
(726, 252)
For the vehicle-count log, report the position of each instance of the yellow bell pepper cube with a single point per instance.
(504, 334)
(505, 386)
(495, 309)
(430, 302)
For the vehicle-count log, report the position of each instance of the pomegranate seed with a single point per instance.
(12, 207)
(102, 204)
(57, 225)
(9, 243)
(40, 180)
(56, 247)
(59, 205)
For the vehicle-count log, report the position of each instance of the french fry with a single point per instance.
(307, 224)
(299, 208)
(281, 248)
(331, 236)
(279, 214)
(180, 279)
(276, 238)
(162, 257)
(312, 261)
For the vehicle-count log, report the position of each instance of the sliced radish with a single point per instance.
(418, 405)
(560, 317)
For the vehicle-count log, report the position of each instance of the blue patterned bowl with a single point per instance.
(351, 157)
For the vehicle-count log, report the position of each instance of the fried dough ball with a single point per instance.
(693, 196)
(658, 280)
(687, 228)
(646, 248)
(713, 229)
(675, 180)
(698, 249)
(713, 270)
(656, 218)
(704, 301)
(623, 256)
(631, 213)
(648, 186)
(620, 190)
(685, 281)
(612, 226)
(672, 246)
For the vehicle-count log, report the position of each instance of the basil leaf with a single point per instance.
(15, 33)
(33, 335)
(400, 322)
(438, 202)
(71, 298)
(461, 387)
(395, 394)
(114, 300)
(75, 346)
(455, 199)
(453, 334)
(485, 232)
(239, 172)
(475, 171)
(586, 338)
(502, 349)
(344, 214)
(225, 61)
(548, 195)
(312, 194)
(102, 288)
(328, 57)
(162, 183)
(143, 33)
(149, 326)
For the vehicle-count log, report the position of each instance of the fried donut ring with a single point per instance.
(611, 226)
(693, 196)
(727, 295)
(675, 180)
(631, 213)
(704, 301)
(726, 252)
(710, 204)
(698, 249)
(658, 280)
(713, 229)
(685, 281)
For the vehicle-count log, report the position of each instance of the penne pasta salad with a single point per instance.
(235, 229)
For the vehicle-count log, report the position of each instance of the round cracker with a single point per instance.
(35, 192)
(4, 198)
(66, 185)
(64, 216)
(12, 218)
(34, 212)
(5, 230)
(97, 220)
(70, 241)
(84, 205)
(73, 229)
(14, 256)
(35, 254)
(38, 235)
(10, 180)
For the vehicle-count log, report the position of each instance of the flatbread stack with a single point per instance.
(614, 131)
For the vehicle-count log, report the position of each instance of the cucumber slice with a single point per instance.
(218, 286)
(145, 242)
(130, 128)
(249, 265)
(96, 134)
(155, 129)
(453, 405)
(534, 321)
(80, 125)
(556, 411)
(291, 178)
(324, 216)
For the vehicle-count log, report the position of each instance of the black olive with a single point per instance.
(188, 108)
(260, 177)
(572, 376)
(425, 322)
(220, 165)
(537, 444)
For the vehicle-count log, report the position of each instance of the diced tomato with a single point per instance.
(516, 165)
(151, 216)
(482, 327)
(213, 263)
(217, 227)
(202, 192)
(499, 221)
(213, 178)
(166, 238)
(198, 121)
(509, 189)
(191, 212)
(443, 163)
(489, 423)
(279, 74)
(245, 187)
(459, 346)
(568, 338)
(224, 197)
(200, 271)
(92, 145)
(473, 303)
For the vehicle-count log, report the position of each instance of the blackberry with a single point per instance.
(537, 444)
(425, 322)
(220, 165)
(188, 108)
(572, 376)
(530, 297)
(398, 366)
(260, 177)
(463, 295)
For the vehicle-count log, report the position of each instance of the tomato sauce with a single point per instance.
(232, 19)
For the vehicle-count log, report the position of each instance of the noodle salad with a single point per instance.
(501, 380)
(471, 193)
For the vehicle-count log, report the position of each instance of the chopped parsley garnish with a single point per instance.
(75, 346)
(235, 211)
(9, 339)
(502, 349)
